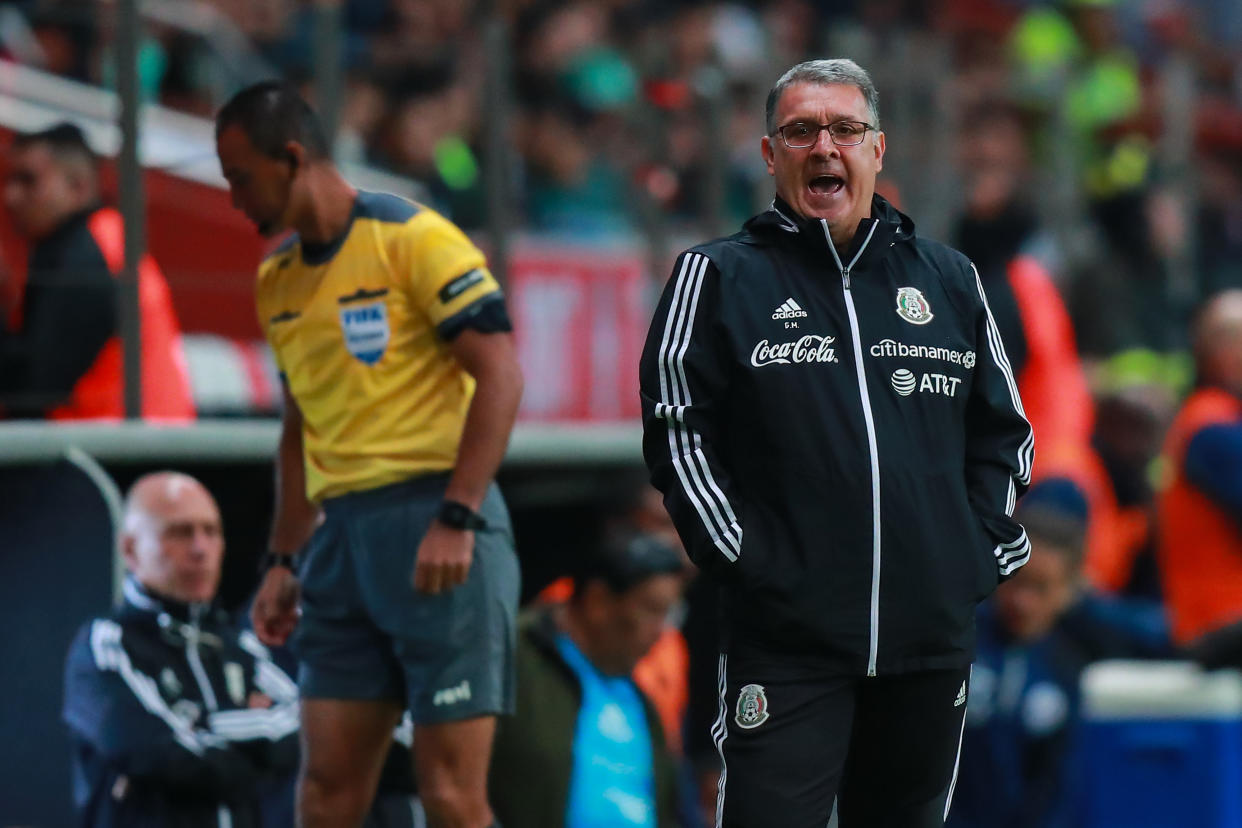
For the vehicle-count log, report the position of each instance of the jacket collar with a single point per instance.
(543, 629)
(139, 602)
(780, 224)
(69, 225)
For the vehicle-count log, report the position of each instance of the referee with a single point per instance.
(834, 424)
(401, 386)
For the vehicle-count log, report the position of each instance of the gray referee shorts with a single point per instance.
(366, 634)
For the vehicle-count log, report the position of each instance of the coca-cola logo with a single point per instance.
(807, 349)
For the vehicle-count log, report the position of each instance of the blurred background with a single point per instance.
(1086, 154)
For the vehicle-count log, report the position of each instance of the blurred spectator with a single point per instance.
(585, 748)
(575, 85)
(572, 188)
(417, 34)
(176, 717)
(665, 673)
(1219, 243)
(680, 673)
(65, 360)
(428, 134)
(65, 34)
(1036, 635)
(1023, 693)
(1130, 423)
(999, 233)
(1083, 82)
(1201, 508)
(362, 112)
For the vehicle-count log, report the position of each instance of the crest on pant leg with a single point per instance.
(752, 707)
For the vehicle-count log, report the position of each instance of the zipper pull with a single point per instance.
(845, 275)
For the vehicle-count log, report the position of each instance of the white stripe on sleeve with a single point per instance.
(110, 656)
(997, 349)
(687, 457)
(273, 723)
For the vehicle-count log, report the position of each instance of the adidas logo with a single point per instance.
(789, 310)
(961, 696)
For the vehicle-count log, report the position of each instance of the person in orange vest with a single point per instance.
(64, 360)
(1000, 234)
(1200, 510)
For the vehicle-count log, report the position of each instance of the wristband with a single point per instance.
(460, 516)
(274, 559)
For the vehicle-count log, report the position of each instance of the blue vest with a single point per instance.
(613, 783)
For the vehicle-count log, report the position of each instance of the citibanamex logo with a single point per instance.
(903, 382)
(810, 348)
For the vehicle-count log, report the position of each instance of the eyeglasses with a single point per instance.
(800, 135)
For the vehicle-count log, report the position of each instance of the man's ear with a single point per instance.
(294, 154)
(769, 155)
(879, 151)
(128, 553)
(82, 181)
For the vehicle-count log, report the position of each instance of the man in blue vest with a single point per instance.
(585, 748)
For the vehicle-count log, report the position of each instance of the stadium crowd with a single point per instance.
(1050, 142)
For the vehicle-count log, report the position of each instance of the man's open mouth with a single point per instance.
(826, 184)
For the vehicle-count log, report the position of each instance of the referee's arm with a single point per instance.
(445, 554)
(274, 612)
(491, 359)
(295, 515)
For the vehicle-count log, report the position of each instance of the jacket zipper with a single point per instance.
(196, 662)
(869, 418)
(224, 816)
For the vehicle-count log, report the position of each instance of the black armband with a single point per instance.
(488, 315)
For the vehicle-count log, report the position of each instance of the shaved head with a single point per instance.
(152, 494)
(1217, 339)
(173, 541)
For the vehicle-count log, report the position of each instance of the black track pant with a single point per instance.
(887, 747)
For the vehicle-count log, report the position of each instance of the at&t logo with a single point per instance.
(905, 383)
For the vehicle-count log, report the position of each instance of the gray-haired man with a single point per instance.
(835, 388)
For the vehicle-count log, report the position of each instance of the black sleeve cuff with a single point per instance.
(488, 315)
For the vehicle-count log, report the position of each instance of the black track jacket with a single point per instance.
(158, 702)
(839, 439)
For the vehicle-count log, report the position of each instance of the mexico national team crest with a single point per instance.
(912, 307)
(366, 330)
(752, 707)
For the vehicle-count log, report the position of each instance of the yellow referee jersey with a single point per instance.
(359, 329)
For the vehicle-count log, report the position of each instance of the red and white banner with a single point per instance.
(580, 316)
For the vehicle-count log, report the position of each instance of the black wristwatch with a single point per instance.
(460, 516)
(273, 559)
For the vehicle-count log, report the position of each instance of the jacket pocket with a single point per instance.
(936, 564)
